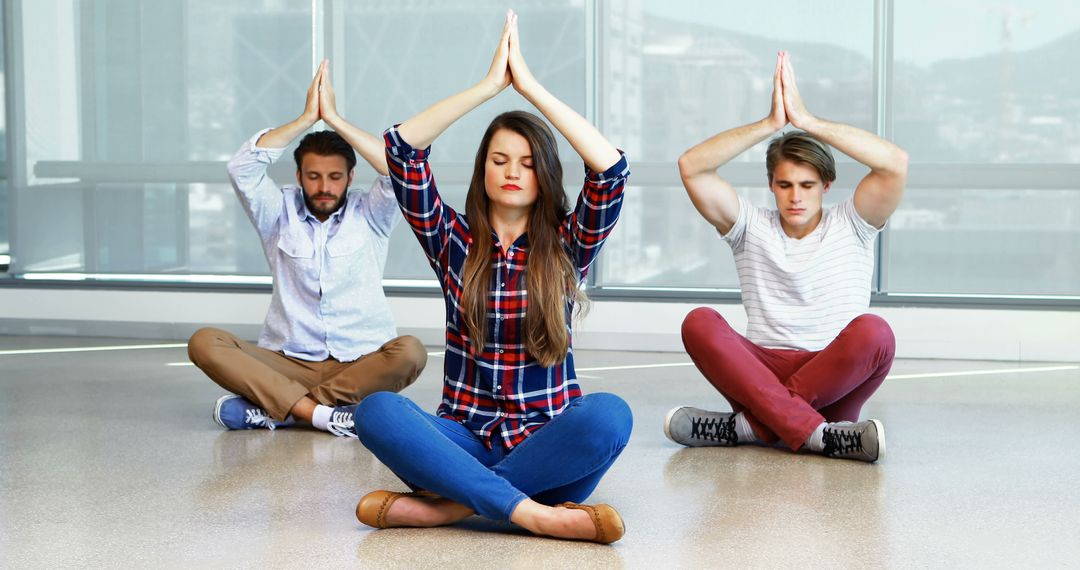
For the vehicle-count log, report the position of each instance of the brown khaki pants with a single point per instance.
(276, 382)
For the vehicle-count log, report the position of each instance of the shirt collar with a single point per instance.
(522, 242)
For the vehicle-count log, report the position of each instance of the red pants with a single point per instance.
(786, 394)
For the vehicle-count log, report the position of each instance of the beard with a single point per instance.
(320, 208)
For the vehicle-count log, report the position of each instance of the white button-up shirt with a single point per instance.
(328, 299)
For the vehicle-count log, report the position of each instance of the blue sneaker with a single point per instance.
(341, 422)
(233, 412)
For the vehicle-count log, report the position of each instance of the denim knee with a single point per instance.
(618, 418)
(373, 411)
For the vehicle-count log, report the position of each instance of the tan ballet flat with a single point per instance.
(372, 508)
(609, 525)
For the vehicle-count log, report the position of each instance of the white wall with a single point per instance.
(980, 334)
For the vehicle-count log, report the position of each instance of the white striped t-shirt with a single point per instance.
(800, 293)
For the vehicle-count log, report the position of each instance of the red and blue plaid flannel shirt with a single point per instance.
(501, 392)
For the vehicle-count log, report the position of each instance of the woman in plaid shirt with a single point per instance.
(514, 433)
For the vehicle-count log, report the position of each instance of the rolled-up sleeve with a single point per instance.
(414, 186)
(597, 209)
(260, 197)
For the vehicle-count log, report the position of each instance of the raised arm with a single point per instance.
(366, 144)
(421, 130)
(878, 193)
(259, 196)
(594, 149)
(285, 134)
(407, 147)
(598, 205)
(714, 197)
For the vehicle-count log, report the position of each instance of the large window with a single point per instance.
(131, 110)
(128, 113)
(988, 111)
(673, 78)
(148, 101)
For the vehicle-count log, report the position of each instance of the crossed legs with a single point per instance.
(562, 461)
(787, 394)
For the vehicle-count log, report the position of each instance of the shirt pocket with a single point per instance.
(296, 244)
(345, 244)
(348, 260)
(296, 270)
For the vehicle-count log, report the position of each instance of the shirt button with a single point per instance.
(504, 284)
(501, 351)
(498, 387)
(511, 254)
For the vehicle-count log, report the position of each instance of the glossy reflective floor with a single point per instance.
(110, 458)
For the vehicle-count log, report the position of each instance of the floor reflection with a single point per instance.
(764, 498)
(478, 542)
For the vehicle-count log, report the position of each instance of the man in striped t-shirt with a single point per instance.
(811, 357)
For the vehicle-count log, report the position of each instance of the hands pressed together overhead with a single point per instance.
(787, 103)
(508, 66)
(321, 102)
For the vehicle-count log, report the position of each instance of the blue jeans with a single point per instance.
(562, 461)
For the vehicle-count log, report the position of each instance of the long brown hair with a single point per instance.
(551, 275)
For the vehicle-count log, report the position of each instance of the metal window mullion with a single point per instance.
(15, 117)
(86, 64)
(883, 41)
(142, 40)
(592, 91)
(318, 44)
(334, 25)
(181, 191)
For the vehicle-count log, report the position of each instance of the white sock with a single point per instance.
(743, 430)
(321, 416)
(815, 441)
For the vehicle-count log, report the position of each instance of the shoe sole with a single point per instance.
(667, 423)
(217, 409)
(880, 439)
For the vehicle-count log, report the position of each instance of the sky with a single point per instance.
(926, 30)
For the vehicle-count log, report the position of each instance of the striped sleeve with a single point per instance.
(736, 236)
(863, 230)
(414, 186)
(596, 211)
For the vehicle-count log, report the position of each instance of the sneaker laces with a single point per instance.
(841, 441)
(714, 429)
(341, 424)
(258, 417)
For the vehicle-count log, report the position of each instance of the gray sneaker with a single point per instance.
(341, 422)
(862, 441)
(693, 427)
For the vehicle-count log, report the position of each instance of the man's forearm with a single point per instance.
(720, 149)
(285, 134)
(868, 149)
(366, 144)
